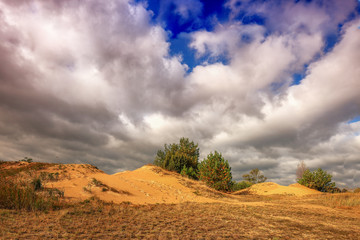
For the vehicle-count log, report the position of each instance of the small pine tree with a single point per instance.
(175, 157)
(216, 172)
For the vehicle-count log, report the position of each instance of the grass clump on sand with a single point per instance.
(28, 196)
(103, 186)
(22, 189)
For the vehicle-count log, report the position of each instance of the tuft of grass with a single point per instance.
(36, 182)
(97, 183)
(87, 189)
(27, 196)
(14, 168)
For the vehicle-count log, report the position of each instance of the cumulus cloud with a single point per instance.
(69, 71)
(299, 118)
(94, 82)
(295, 16)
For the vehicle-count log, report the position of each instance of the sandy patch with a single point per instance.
(270, 188)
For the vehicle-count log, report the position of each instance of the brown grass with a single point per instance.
(339, 200)
(325, 216)
(94, 219)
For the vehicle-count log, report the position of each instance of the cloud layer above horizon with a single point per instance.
(267, 83)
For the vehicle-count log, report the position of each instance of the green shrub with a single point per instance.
(319, 180)
(236, 186)
(175, 157)
(26, 159)
(216, 172)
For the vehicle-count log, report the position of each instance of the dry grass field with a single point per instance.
(207, 215)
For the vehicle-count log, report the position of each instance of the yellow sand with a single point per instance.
(148, 184)
(270, 188)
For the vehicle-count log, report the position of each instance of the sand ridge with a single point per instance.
(150, 185)
(146, 185)
(270, 188)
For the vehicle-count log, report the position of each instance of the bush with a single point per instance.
(26, 159)
(319, 180)
(255, 176)
(236, 186)
(175, 157)
(216, 172)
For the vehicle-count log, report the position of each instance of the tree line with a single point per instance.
(214, 170)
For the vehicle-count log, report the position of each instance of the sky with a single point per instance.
(267, 83)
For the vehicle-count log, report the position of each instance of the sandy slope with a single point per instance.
(148, 184)
(151, 184)
(270, 188)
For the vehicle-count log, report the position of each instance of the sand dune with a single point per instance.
(270, 188)
(148, 184)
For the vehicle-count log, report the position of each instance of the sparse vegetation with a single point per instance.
(235, 217)
(26, 159)
(254, 176)
(339, 200)
(27, 196)
(87, 189)
(97, 183)
(26, 192)
(104, 187)
(95, 219)
(45, 176)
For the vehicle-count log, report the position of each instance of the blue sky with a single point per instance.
(206, 15)
(266, 83)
